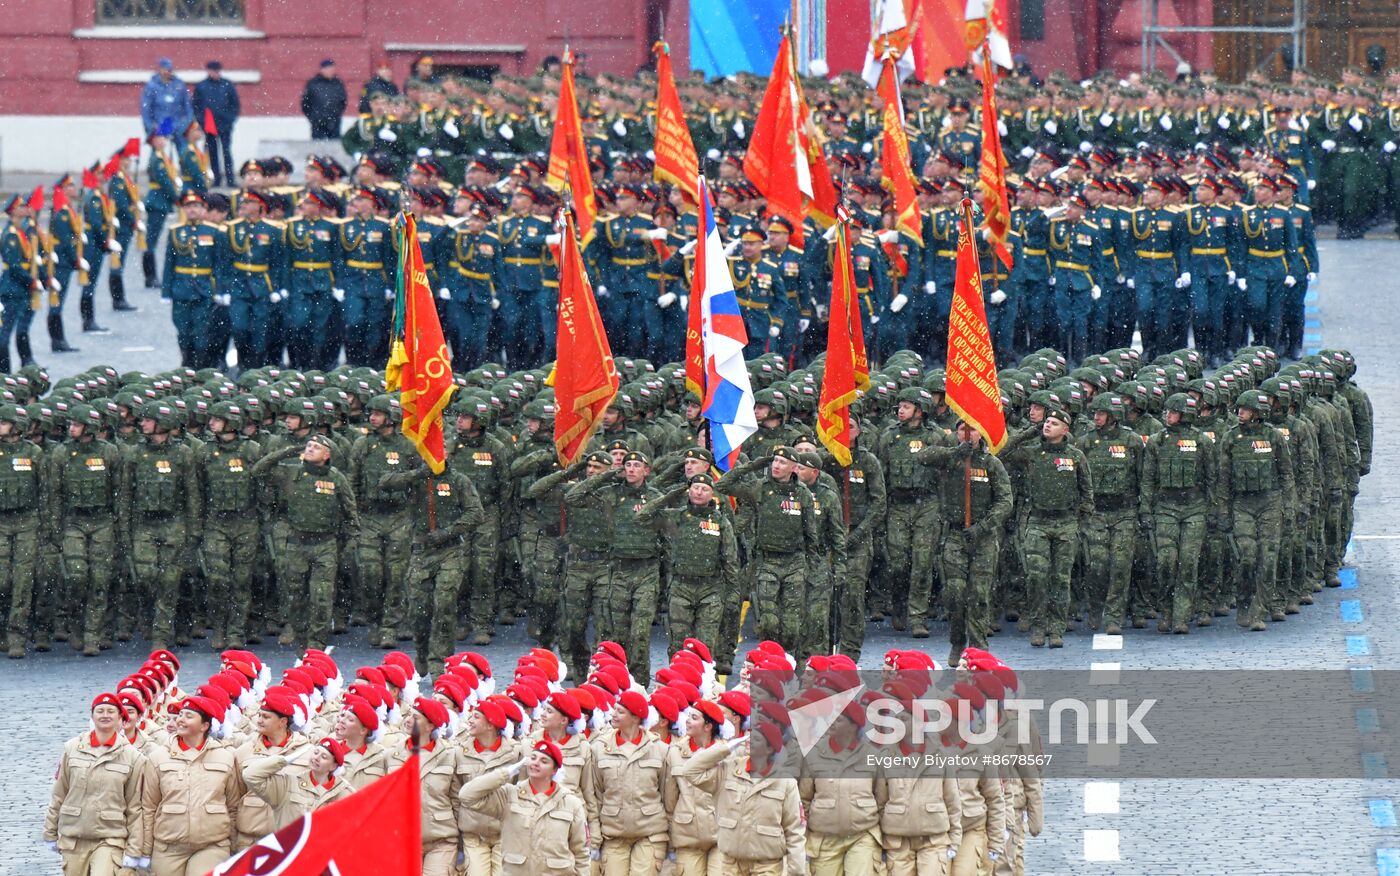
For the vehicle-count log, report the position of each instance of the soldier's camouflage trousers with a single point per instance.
(911, 539)
(632, 590)
(483, 558)
(19, 546)
(435, 576)
(816, 625)
(850, 614)
(230, 551)
(694, 609)
(969, 573)
(158, 547)
(383, 555)
(312, 561)
(779, 589)
(585, 588)
(540, 555)
(1257, 527)
(1051, 543)
(1179, 532)
(1111, 537)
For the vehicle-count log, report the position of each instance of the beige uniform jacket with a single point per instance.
(842, 791)
(922, 801)
(287, 790)
(541, 834)
(1022, 781)
(692, 807)
(438, 783)
(255, 818)
(97, 796)
(472, 763)
(630, 780)
(578, 775)
(192, 801)
(363, 769)
(756, 818)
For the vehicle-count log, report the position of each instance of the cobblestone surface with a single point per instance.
(1165, 827)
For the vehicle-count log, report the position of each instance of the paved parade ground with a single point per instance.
(1132, 828)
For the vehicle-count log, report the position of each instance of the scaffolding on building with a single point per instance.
(1154, 34)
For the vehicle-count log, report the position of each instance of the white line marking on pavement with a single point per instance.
(138, 349)
(1103, 642)
(1104, 673)
(1101, 845)
(1101, 798)
(1375, 537)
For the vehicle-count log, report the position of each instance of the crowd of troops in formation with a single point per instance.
(537, 771)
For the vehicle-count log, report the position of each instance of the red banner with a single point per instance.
(846, 368)
(419, 364)
(894, 155)
(991, 175)
(676, 160)
(972, 366)
(585, 376)
(568, 153)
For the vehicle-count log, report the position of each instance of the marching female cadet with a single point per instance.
(629, 775)
(561, 722)
(544, 829)
(984, 814)
(438, 779)
(192, 796)
(842, 792)
(921, 821)
(358, 727)
(95, 821)
(483, 750)
(273, 734)
(692, 806)
(291, 792)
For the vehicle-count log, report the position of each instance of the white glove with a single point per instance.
(1052, 280)
(85, 240)
(619, 128)
(116, 223)
(1165, 122)
(388, 294)
(83, 265)
(450, 128)
(53, 256)
(517, 766)
(930, 287)
(1001, 127)
(223, 300)
(1229, 278)
(145, 864)
(445, 294)
(1389, 146)
(952, 852)
(1312, 276)
(338, 294)
(665, 301)
(595, 854)
(821, 311)
(1120, 279)
(131, 863)
(803, 325)
(53, 284)
(898, 302)
(875, 319)
(1290, 281)
(1243, 284)
(1095, 292)
(1312, 184)
(140, 226)
(739, 128)
(1052, 127)
(733, 247)
(712, 154)
(506, 131)
(423, 152)
(495, 304)
(774, 331)
(602, 291)
(1086, 146)
(1106, 119)
(830, 233)
(685, 303)
(1184, 280)
(997, 296)
(655, 234)
(735, 743)
(1223, 122)
(1328, 145)
(688, 248)
(51, 845)
(553, 239)
(387, 135)
(890, 236)
(1027, 152)
(1244, 125)
(1355, 123)
(113, 246)
(1132, 284)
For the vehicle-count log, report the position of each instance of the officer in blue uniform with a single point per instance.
(163, 176)
(367, 244)
(1271, 267)
(21, 290)
(622, 249)
(1214, 253)
(66, 251)
(521, 236)
(468, 263)
(252, 271)
(1077, 246)
(97, 226)
(127, 222)
(1161, 272)
(188, 280)
(1305, 237)
(314, 256)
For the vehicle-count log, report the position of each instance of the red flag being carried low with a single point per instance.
(897, 176)
(585, 375)
(991, 174)
(568, 153)
(847, 370)
(676, 159)
(419, 365)
(374, 831)
(210, 127)
(972, 389)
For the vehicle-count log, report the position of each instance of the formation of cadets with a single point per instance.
(288, 504)
(1183, 210)
(680, 773)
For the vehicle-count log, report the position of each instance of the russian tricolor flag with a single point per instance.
(728, 402)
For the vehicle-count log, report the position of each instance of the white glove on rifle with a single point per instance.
(774, 331)
(83, 265)
(997, 296)
(1355, 123)
(506, 131)
(688, 248)
(665, 301)
(1095, 292)
(445, 294)
(898, 302)
(830, 233)
(113, 246)
(450, 128)
(1328, 145)
(338, 294)
(1244, 284)
(619, 128)
(495, 304)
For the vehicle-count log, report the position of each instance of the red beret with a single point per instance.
(711, 711)
(565, 704)
(433, 710)
(401, 660)
(163, 656)
(203, 705)
(587, 702)
(493, 713)
(131, 701)
(510, 707)
(337, 749)
(394, 675)
(667, 704)
(736, 701)
(363, 712)
(552, 750)
(634, 703)
(699, 648)
(688, 691)
(279, 703)
(523, 694)
(370, 674)
(107, 699)
(613, 649)
(452, 688)
(772, 735)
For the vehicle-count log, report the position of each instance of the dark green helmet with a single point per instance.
(163, 412)
(15, 414)
(538, 409)
(1183, 404)
(86, 415)
(1254, 400)
(917, 396)
(1092, 378)
(1110, 403)
(382, 403)
(233, 413)
(774, 397)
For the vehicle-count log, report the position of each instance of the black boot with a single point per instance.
(85, 307)
(26, 354)
(57, 342)
(116, 284)
(148, 268)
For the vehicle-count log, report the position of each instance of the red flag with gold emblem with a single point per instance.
(894, 154)
(991, 174)
(771, 161)
(847, 373)
(568, 153)
(419, 365)
(676, 159)
(972, 388)
(585, 376)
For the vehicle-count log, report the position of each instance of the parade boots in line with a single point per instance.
(148, 268)
(26, 353)
(57, 342)
(116, 284)
(87, 308)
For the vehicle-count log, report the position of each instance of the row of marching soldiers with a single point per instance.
(522, 775)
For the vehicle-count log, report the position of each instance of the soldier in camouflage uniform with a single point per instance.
(1115, 458)
(484, 460)
(586, 572)
(230, 536)
(23, 515)
(445, 511)
(866, 478)
(382, 551)
(542, 519)
(831, 555)
(1302, 446)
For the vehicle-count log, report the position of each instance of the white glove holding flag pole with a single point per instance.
(1355, 123)
(774, 331)
(338, 294)
(386, 134)
(654, 234)
(685, 303)
(388, 294)
(553, 239)
(888, 236)
(1094, 293)
(1001, 127)
(898, 302)
(688, 248)
(666, 300)
(445, 294)
(930, 287)
(830, 233)
(997, 296)
(450, 128)
(1290, 281)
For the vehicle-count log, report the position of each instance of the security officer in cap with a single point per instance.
(23, 497)
(320, 510)
(520, 247)
(230, 532)
(188, 279)
(470, 267)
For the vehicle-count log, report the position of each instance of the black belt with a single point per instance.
(1112, 503)
(635, 561)
(906, 496)
(586, 555)
(1049, 514)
